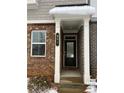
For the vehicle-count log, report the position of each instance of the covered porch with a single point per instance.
(72, 55)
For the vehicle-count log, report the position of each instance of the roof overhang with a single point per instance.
(72, 10)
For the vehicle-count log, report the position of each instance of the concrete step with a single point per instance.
(71, 88)
(71, 85)
(71, 80)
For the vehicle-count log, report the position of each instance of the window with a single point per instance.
(38, 45)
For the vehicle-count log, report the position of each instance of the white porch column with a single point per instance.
(57, 53)
(86, 51)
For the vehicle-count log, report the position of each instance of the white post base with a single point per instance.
(56, 78)
(86, 79)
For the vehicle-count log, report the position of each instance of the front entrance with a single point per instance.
(70, 55)
(72, 50)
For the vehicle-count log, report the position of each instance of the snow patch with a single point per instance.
(46, 91)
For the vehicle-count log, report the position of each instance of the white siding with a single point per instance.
(31, 1)
(42, 13)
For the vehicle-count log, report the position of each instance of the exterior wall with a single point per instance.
(43, 66)
(42, 13)
(93, 49)
(81, 51)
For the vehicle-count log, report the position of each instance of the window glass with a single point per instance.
(38, 37)
(38, 43)
(38, 49)
(70, 49)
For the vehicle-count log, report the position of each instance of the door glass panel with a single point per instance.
(70, 49)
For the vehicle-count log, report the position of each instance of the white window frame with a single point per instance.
(38, 43)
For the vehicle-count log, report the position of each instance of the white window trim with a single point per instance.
(38, 43)
(39, 21)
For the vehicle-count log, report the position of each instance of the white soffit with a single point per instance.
(73, 10)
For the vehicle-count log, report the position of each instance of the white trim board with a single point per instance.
(40, 21)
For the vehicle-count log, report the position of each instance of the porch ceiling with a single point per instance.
(71, 26)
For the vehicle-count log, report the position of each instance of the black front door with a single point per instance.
(70, 53)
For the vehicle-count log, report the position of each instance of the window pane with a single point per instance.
(38, 37)
(38, 49)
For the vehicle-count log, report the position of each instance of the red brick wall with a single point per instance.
(93, 49)
(41, 65)
(81, 50)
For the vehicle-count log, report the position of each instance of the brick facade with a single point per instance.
(81, 50)
(93, 49)
(43, 66)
